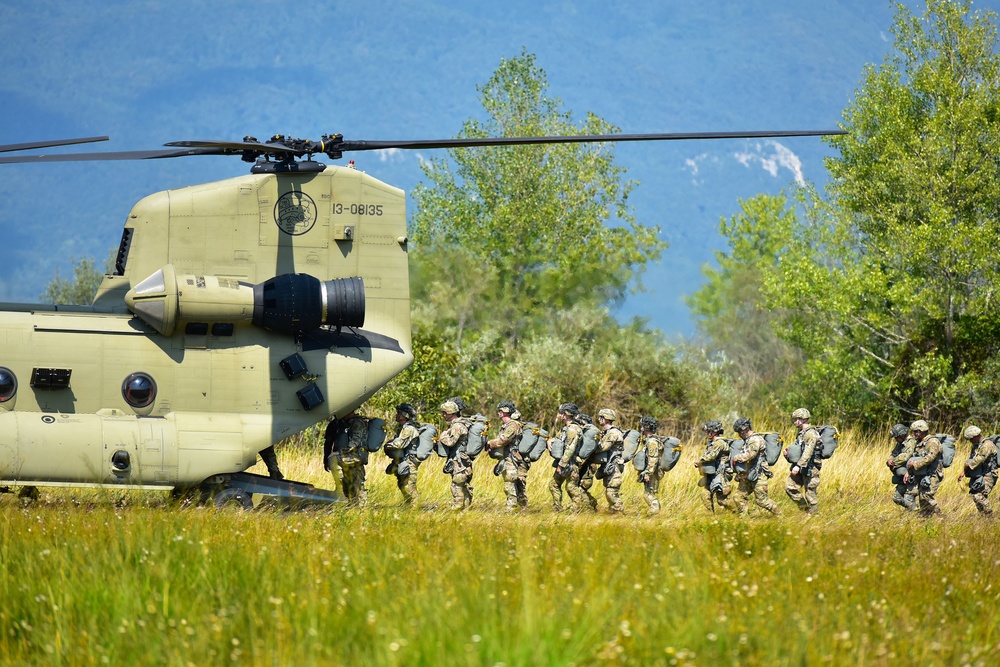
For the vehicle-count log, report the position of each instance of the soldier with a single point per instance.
(270, 459)
(581, 473)
(515, 467)
(906, 493)
(981, 469)
(716, 474)
(570, 435)
(926, 467)
(651, 476)
(804, 474)
(345, 443)
(403, 449)
(611, 448)
(753, 478)
(459, 465)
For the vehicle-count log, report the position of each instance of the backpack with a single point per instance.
(947, 449)
(672, 449)
(477, 434)
(376, 434)
(529, 438)
(828, 436)
(632, 439)
(735, 447)
(535, 452)
(639, 461)
(588, 443)
(425, 443)
(773, 445)
(557, 447)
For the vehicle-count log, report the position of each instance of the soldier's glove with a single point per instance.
(391, 468)
(449, 467)
(644, 478)
(562, 472)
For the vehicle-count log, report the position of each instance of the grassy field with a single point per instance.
(96, 578)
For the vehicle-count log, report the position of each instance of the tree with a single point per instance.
(547, 226)
(887, 284)
(79, 291)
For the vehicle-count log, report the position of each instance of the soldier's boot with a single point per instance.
(654, 505)
(270, 459)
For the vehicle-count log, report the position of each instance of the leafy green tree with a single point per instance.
(79, 291)
(887, 286)
(547, 226)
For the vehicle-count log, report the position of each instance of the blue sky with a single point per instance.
(146, 73)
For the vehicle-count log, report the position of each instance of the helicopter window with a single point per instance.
(8, 384)
(139, 390)
(223, 329)
(196, 328)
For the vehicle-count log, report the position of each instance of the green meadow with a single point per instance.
(101, 577)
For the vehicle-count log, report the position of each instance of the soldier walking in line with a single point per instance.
(651, 476)
(981, 469)
(611, 448)
(515, 467)
(751, 469)
(716, 474)
(459, 465)
(344, 444)
(803, 478)
(581, 471)
(906, 493)
(570, 436)
(926, 467)
(403, 450)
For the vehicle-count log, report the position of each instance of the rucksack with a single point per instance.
(632, 439)
(735, 447)
(588, 442)
(535, 452)
(672, 449)
(639, 461)
(477, 434)
(828, 437)
(376, 434)
(425, 442)
(529, 438)
(774, 444)
(557, 447)
(947, 449)
(990, 463)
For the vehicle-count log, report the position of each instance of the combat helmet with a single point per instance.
(743, 423)
(650, 423)
(408, 410)
(713, 426)
(899, 431)
(608, 414)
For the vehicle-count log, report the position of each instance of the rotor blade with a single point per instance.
(574, 139)
(235, 146)
(32, 145)
(120, 155)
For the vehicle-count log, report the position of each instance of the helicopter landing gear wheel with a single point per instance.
(28, 494)
(233, 497)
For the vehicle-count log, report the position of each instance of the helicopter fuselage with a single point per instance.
(239, 313)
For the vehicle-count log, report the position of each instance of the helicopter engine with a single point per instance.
(288, 303)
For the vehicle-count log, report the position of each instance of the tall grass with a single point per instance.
(111, 578)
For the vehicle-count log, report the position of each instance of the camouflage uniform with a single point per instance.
(570, 435)
(982, 472)
(612, 444)
(928, 468)
(403, 449)
(754, 480)
(350, 458)
(905, 494)
(454, 438)
(717, 485)
(515, 467)
(809, 464)
(651, 477)
(581, 476)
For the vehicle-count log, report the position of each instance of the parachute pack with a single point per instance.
(632, 439)
(947, 449)
(774, 445)
(557, 447)
(668, 459)
(477, 434)
(588, 443)
(532, 442)
(829, 436)
(373, 440)
(425, 443)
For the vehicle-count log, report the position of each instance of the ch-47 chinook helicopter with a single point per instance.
(238, 313)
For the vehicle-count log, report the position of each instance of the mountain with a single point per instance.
(151, 72)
